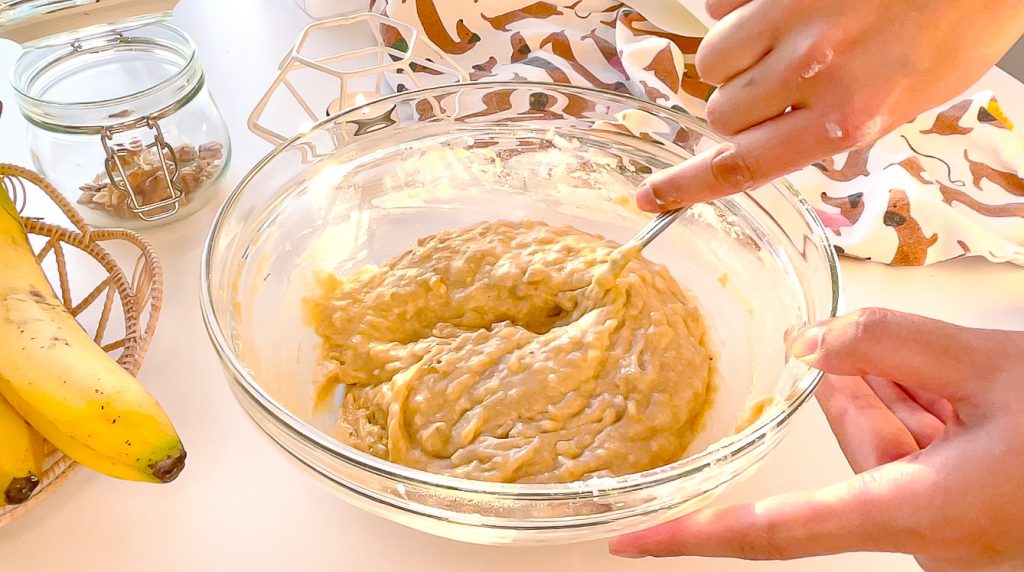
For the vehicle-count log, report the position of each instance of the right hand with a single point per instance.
(847, 71)
(930, 416)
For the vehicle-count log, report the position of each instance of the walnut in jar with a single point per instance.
(190, 169)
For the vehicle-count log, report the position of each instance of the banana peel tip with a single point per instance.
(20, 489)
(168, 468)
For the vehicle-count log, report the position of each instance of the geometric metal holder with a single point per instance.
(319, 82)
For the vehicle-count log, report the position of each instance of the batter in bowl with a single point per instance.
(491, 353)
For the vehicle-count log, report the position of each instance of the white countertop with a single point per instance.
(241, 506)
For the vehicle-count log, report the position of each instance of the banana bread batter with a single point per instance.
(492, 353)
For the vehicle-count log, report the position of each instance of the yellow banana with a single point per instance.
(21, 456)
(64, 384)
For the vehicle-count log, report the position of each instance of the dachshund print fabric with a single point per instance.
(947, 185)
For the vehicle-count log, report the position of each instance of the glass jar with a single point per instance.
(122, 122)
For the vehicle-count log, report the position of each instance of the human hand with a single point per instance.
(930, 417)
(848, 71)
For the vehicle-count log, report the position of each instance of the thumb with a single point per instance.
(870, 512)
(951, 361)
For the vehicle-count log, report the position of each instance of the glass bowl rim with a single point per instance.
(720, 452)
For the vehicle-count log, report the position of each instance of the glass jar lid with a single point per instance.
(108, 81)
(38, 23)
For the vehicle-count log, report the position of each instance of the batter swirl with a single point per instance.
(484, 354)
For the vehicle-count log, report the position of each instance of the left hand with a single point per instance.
(929, 416)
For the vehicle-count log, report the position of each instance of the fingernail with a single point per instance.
(807, 342)
(622, 549)
(646, 200)
(790, 332)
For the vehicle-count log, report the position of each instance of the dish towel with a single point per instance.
(947, 185)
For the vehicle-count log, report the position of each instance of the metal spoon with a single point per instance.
(622, 255)
(654, 228)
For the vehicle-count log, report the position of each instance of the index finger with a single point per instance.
(957, 363)
(752, 158)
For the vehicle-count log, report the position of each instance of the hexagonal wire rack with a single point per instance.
(399, 51)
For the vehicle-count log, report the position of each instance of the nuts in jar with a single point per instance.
(191, 168)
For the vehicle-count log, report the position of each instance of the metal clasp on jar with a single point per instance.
(119, 173)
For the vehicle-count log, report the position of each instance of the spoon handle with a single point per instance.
(656, 227)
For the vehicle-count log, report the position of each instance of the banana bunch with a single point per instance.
(57, 383)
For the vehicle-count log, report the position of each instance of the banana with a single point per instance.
(21, 456)
(64, 384)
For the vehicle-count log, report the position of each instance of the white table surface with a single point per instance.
(241, 506)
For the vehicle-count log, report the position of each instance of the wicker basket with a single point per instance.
(120, 310)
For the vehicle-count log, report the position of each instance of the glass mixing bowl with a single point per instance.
(363, 186)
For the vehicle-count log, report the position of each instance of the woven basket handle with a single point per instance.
(15, 176)
(147, 288)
